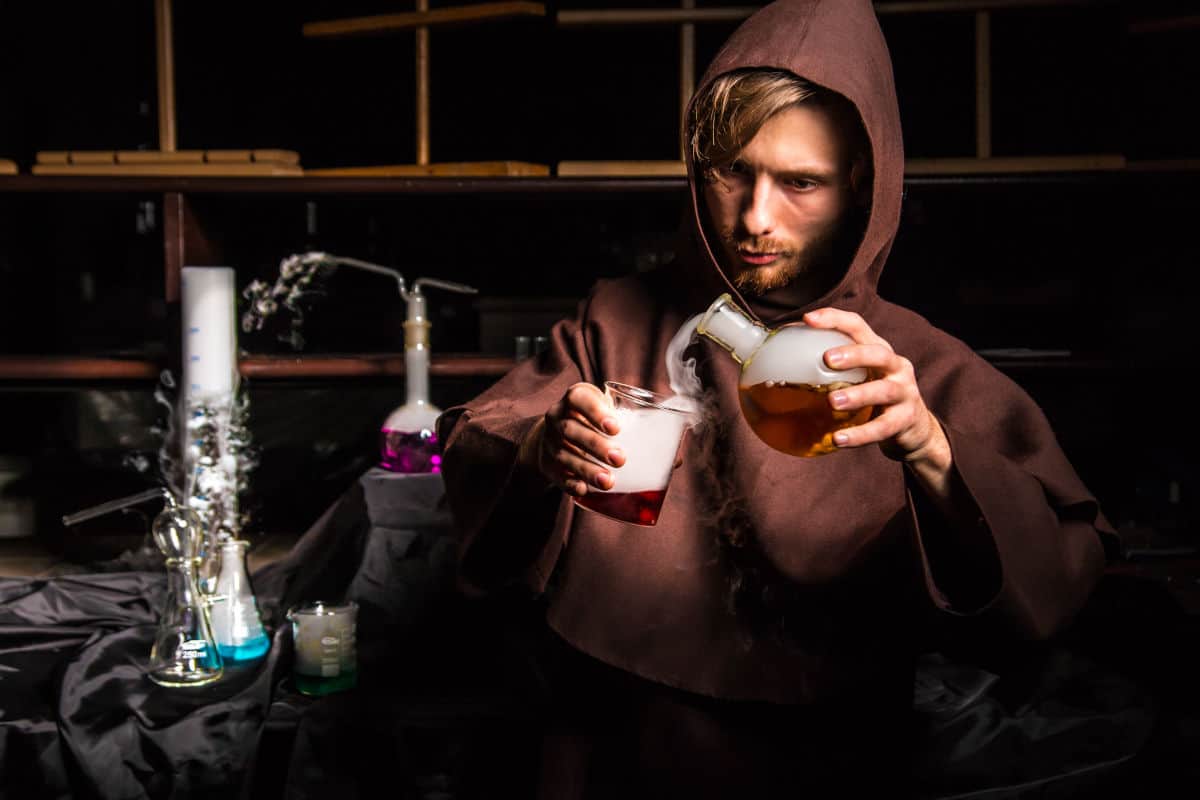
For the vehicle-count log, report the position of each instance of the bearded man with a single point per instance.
(761, 639)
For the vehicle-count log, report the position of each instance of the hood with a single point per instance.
(837, 44)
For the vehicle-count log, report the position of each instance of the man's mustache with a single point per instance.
(756, 244)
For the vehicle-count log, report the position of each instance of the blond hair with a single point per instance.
(733, 107)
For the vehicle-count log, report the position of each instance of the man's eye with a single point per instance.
(802, 184)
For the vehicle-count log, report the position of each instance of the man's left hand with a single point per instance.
(902, 424)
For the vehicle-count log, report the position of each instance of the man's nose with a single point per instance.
(758, 217)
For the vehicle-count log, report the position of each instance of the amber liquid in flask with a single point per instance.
(797, 418)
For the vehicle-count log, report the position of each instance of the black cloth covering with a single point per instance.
(454, 692)
(80, 719)
(437, 711)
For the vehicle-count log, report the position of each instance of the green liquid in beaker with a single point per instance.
(316, 686)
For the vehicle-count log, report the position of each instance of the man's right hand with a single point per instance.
(568, 445)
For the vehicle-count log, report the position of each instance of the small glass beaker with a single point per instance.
(650, 434)
(326, 658)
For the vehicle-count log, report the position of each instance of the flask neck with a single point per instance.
(730, 327)
(182, 589)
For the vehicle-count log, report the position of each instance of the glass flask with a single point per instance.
(185, 651)
(785, 383)
(236, 621)
(408, 439)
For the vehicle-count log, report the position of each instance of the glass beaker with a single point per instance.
(236, 621)
(185, 651)
(326, 658)
(650, 434)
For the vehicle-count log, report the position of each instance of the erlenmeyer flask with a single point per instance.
(237, 624)
(185, 651)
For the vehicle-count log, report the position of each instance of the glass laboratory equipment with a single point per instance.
(408, 440)
(237, 624)
(185, 650)
(326, 655)
(785, 383)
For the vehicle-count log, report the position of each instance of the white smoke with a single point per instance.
(685, 385)
(650, 438)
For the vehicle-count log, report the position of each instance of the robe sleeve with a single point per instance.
(510, 525)
(1039, 543)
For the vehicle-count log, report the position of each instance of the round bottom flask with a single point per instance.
(785, 384)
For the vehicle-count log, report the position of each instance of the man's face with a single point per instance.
(776, 208)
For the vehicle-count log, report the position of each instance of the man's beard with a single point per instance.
(809, 264)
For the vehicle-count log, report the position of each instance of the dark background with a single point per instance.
(1098, 264)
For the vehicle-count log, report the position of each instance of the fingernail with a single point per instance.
(614, 456)
(610, 426)
(604, 480)
(835, 357)
(839, 399)
(840, 438)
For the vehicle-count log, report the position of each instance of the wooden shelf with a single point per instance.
(1071, 365)
(331, 185)
(380, 365)
(682, 16)
(350, 185)
(76, 368)
(1098, 162)
(374, 365)
(382, 24)
(364, 365)
(348, 365)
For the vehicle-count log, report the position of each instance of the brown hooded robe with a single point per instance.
(847, 539)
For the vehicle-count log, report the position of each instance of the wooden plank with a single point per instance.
(687, 71)
(941, 6)
(422, 87)
(273, 156)
(983, 84)
(268, 154)
(75, 368)
(164, 39)
(227, 156)
(446, 169)
(681, 16)
(8, 167)
(652, 16)
(53, 157)
(159, 157)
(380, 24)
(1001, 164)
(620, 168)
(176, 170)
(370, 366)
(1165, 25)
(92, 156)
(1164, 165)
